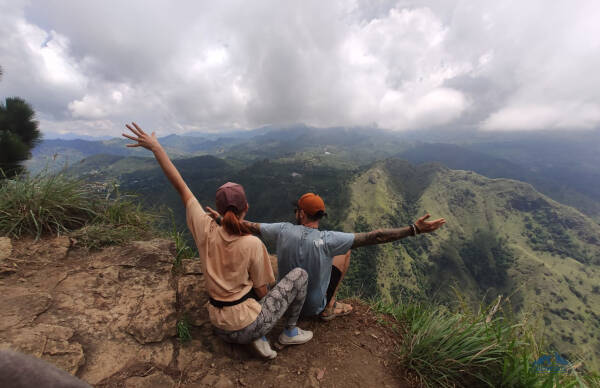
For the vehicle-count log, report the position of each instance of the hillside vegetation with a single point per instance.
(501, 237)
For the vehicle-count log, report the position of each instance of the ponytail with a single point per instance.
(231, 223)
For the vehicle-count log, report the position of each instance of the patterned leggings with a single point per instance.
(287, 296)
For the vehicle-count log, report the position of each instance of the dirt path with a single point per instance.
(109, 318)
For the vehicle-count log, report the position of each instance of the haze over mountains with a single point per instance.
(522, 211)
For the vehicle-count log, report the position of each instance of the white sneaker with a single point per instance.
(301, 337)
(263, 348)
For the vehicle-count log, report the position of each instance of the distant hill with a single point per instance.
(336, 147)
(106, 166)
(55, 154)
(501, 237)
(550, 182)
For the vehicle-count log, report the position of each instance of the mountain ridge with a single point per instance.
(485, 246)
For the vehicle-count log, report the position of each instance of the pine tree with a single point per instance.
(18, 134)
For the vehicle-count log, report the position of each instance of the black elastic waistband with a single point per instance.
(221, 304)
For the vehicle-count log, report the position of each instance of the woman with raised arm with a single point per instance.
(236, 265)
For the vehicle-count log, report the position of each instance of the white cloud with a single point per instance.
(401, 93)
(526, 117)
(37, 64)
(399, 65)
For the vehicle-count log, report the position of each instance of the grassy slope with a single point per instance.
(557, 289)
(373, 197)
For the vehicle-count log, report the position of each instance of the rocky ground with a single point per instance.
(109, 317)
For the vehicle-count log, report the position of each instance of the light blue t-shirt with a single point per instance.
(310, 249)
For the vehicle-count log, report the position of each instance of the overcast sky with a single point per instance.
(90, 66)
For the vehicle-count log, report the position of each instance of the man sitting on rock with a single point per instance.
(324, 254)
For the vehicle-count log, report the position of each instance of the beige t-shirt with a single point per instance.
(232, 265)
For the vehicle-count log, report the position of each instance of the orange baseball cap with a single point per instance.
(311, 204)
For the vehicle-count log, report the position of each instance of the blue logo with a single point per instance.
(551, 363)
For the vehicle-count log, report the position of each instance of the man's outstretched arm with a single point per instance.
(150, 142)
(254, 227)
(381, 236)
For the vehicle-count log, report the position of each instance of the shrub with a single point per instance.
(96, 236)
(95, 214)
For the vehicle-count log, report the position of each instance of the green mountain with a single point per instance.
(582, 196)
(336, 147)
(501, 237)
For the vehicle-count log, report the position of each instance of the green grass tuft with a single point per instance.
(464, 349)
(44, 204)
(95, 215)
(183, 330)
(182, 250)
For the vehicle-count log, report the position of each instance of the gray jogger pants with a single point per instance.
(286, 297)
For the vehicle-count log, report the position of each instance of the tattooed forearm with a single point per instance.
(253, 226)
(380, 236)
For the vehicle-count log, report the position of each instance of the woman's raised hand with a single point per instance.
(149, 142)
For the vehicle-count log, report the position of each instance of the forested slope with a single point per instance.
(501, 237)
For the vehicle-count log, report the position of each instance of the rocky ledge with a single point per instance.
(110, 318)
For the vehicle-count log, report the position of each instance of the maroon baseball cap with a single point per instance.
(231, 194)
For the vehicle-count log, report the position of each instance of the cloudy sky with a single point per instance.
(90, 66)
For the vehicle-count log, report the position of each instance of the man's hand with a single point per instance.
(149, 142)
(212, 213)
(252, 226)
(424, 226)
